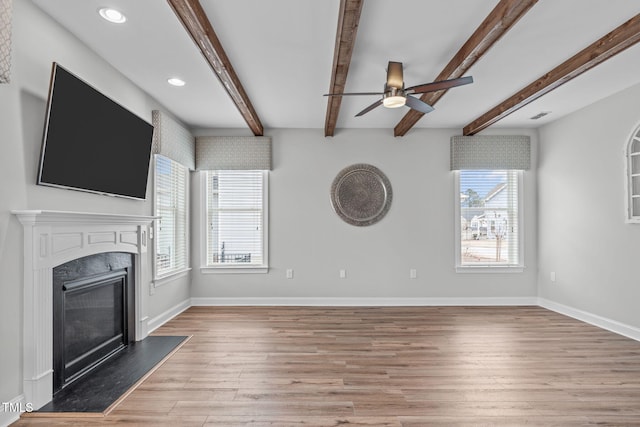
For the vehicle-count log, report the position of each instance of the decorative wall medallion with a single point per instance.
(361, 194)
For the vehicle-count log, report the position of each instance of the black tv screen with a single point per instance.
(92, 143)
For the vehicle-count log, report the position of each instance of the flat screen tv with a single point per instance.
(92, 143)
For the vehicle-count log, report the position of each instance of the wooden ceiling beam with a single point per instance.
(195, 21)
(348, 20)
(626, 35)
(501, 19)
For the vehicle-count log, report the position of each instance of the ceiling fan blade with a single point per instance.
(418, 105)
(440, 85)
(394, 75)
(370, 107)
(353, 93)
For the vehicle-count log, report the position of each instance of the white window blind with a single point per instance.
(236, 218)
(171, 205)
(488, 229)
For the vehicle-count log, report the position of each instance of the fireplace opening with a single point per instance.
(93, 315)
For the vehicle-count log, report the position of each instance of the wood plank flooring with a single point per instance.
(384, 366)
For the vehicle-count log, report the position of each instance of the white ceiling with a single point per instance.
(282, 51)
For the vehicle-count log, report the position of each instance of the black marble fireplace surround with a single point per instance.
(93, 313)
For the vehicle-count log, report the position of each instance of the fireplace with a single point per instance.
(53, 239)
(92, 313)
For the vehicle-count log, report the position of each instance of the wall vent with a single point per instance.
(539, 115)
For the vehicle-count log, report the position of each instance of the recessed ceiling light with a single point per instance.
(112, 15)
(174, 81)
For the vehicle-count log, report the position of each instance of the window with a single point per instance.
(171, 205)
(633, 177)
(236, 214)
(489, 216)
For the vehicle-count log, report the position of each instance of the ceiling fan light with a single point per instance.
(394, 101)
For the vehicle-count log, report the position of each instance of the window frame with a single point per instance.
(163, 278)
(489, 268)
(631, 216)
(205, 266)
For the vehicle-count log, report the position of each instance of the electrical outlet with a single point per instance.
(413, 273)
(289, 273)
(152, 288)
(553, 276)
(343, 273)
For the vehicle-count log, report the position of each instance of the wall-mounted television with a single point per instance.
(92, 143)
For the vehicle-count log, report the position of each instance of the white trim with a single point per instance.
(488, 268)
(205, 267)
(258, 269)
(363, 302)
(593, 319)
(62, 218)
(159, 279)
(52, 238)
(6, 418)
(169, 314)
(265, 218)
(204, 218)
(629, 217)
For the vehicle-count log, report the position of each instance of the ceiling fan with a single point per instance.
(395, 95)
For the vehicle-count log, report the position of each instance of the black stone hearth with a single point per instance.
(112, 379)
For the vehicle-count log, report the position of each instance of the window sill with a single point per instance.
(489, 269)
(169, 277)
(258, 269)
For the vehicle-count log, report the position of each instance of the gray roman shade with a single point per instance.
(5, 40)
(233, 153)
(173, 140)
(491, 152)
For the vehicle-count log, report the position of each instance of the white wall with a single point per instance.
(37, 42)
(418, 231)
(583, 236)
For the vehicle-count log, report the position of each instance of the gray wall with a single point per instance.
(583, 236)
(37, 42)
(418, 231)
(574, 205)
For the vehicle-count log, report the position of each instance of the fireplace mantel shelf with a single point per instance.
(40, 216)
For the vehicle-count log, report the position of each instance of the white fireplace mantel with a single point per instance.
(52, 238)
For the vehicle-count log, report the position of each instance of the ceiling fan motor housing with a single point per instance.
(395, 77)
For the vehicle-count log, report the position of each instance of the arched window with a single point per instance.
(633, 177)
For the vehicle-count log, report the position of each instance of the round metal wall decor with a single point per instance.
(361, 194)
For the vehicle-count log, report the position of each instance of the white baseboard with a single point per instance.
(593, 319)
(10, 411)
(361, 302)
(163, 318)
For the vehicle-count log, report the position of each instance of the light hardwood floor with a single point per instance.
(384, 366)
